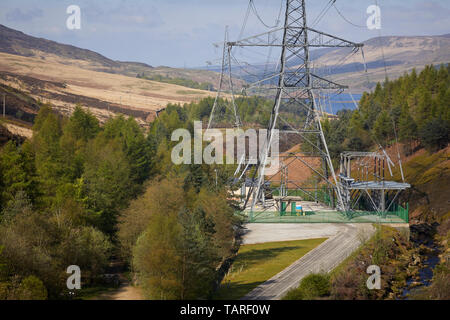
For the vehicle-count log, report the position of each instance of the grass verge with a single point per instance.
(257, 263)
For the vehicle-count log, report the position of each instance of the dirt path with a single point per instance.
(125, 292)
(324, 258)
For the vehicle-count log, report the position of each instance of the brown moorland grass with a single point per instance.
(113, 88)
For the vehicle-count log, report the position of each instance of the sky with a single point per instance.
(181, 33)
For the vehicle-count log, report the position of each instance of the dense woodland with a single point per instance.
(414, 108)
(79, 193)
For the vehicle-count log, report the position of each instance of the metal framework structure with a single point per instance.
(369, 182)
(295, 89)
(294, 86)
(226, 79)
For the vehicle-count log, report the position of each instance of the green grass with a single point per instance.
(256, 263)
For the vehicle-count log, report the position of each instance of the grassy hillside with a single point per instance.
(65, 86)
(429, 174)
(18, 43)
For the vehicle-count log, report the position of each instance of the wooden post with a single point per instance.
(4, 105)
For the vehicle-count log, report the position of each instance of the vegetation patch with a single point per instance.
(257, 263)
(178, 81)
(428, 174)
(389, 249)
(188, 92)
(313, 286)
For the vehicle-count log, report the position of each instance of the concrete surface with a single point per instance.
(272, 232)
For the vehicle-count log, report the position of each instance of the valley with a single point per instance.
(89, 179)
(103, 93)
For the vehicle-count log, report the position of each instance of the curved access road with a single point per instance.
(323, 258)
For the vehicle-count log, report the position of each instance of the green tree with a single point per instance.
(382, 128)
(357, 137)
(46, 134)
(187, 234)
(15, 174)
(106, 183)
(434, 134)
(45, 244)
(19, 204)
(31, 288)
(82, 125)
(130, 137)
(159, 197)
(407, 129)
(156, 258)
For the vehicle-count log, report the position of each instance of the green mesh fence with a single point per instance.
(399, 215)
(321, 195)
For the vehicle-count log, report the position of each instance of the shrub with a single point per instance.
(31, 288)
(314, 286)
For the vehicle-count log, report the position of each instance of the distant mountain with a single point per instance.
(402, 50)
(18, 43)
(398, 53)
(36, 70)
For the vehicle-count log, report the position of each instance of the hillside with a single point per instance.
(6, 135)
(428, 173)
(401, 54)
(64, 86)
(18, 43)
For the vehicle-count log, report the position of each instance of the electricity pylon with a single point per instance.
(221, 104)
(294, 89)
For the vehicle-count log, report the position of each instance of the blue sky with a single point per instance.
(181, 32)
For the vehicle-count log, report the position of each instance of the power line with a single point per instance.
(255, 11)
(247, 14)
(322, 13)
(345, 19)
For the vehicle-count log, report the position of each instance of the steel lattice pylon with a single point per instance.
(295, 89)
(226, 79)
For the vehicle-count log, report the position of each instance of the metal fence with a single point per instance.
(399, 215)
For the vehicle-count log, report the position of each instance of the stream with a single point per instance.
(423, 234)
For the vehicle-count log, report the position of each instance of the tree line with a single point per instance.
(415, 109)
(178, 81)
(79, 193)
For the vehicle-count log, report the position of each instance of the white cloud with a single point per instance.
(172, 32)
